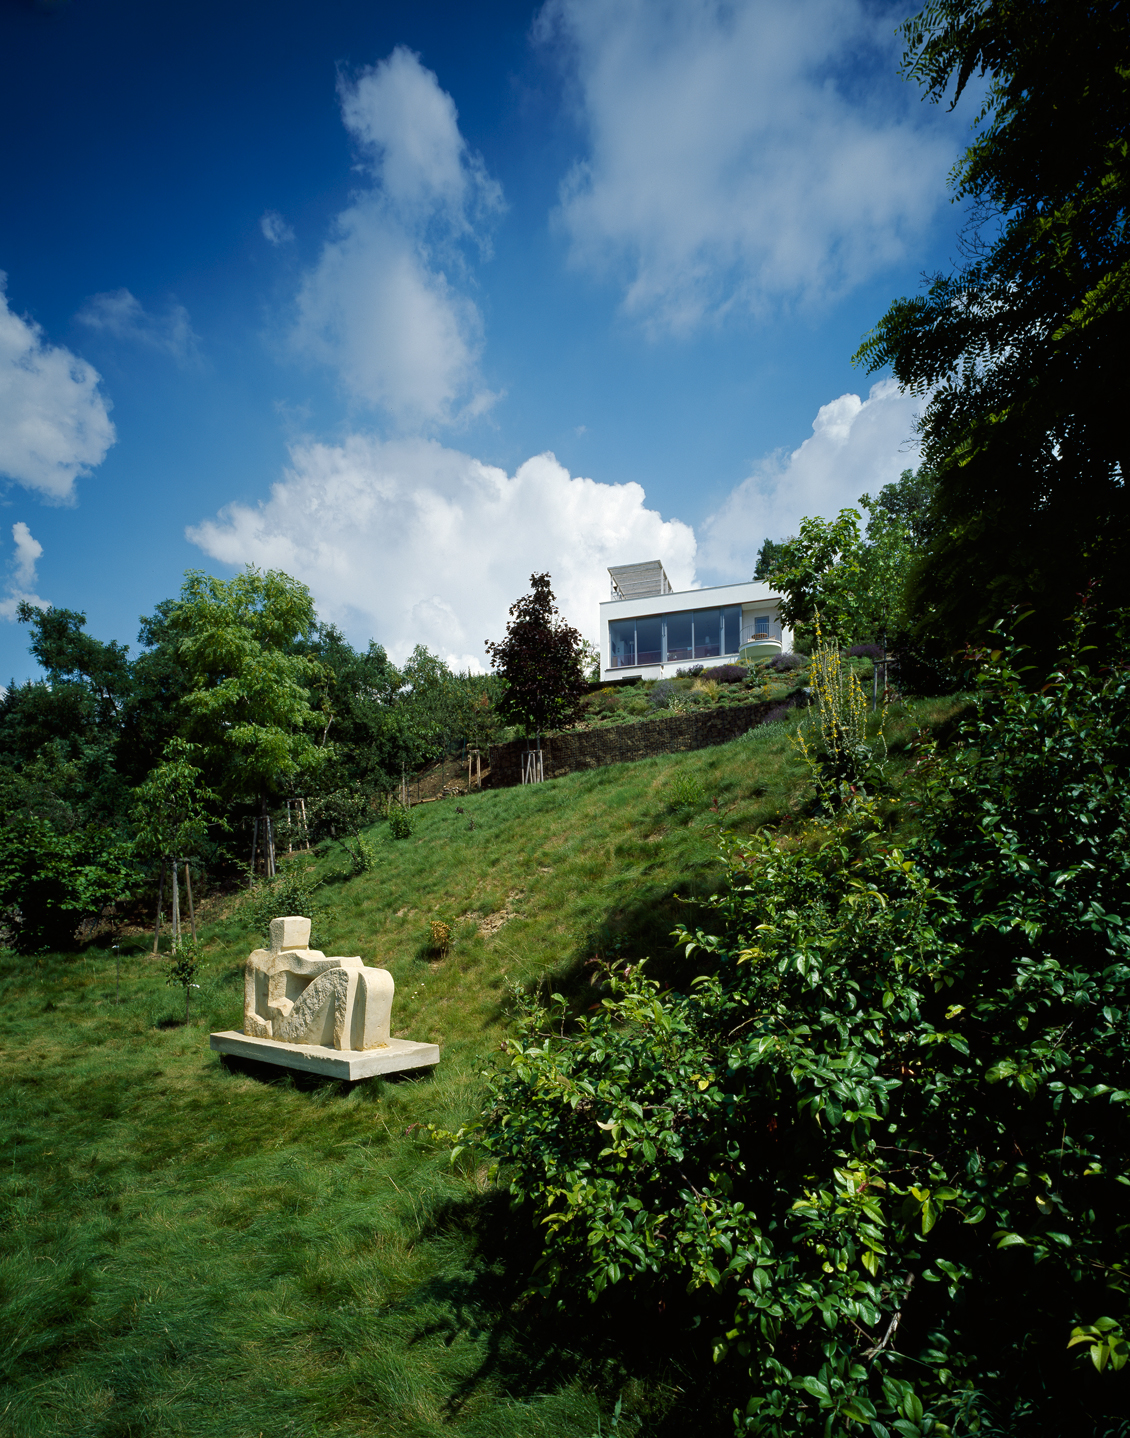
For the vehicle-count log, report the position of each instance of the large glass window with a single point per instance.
(674, 638)
(622, 643)
(680, 638)
(649, 639)
(707, 633)
(731, 629)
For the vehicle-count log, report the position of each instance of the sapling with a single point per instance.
(182, 969)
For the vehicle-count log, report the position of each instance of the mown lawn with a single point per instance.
(191, 1249)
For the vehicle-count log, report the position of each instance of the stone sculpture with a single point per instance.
(322, 1016)
(295, 995)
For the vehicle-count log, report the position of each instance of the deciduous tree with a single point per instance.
(541, 661)
(249, 706)
(1020, 354)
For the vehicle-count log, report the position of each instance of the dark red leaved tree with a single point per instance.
(540, 659)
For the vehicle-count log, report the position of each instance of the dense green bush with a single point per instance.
(877, 1150)
(292, 891)
(51, 879)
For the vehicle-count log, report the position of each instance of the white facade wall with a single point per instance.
(756, 601)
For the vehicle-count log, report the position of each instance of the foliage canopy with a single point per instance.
(541, 661)
(249, 704)
(1020, 353)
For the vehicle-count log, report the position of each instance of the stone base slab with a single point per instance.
(351, 1064)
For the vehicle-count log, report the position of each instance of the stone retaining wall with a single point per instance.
(621, 743)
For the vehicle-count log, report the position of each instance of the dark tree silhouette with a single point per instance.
(541, 661)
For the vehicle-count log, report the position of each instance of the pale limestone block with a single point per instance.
(396, 1056)
(291, 933)
(296, 995)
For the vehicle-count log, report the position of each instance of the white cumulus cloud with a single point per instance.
(417, 543)
(22, 576)
(54, 421)
(121, 314)
(738, 155)
(388, 302)
(856, 447)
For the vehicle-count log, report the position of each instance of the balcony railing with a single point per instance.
(753, 633)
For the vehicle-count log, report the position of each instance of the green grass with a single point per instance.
(189, 1249)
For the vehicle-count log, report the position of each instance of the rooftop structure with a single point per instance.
(639, 581)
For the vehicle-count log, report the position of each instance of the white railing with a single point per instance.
(751, 634)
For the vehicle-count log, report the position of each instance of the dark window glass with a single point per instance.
(761, 625)
(622, 643)
(649, 640)
(731, 629)
(707, 633)
(679, 642)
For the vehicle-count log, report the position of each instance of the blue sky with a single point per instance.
(412, 300)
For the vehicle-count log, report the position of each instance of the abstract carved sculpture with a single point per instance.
(324, 1016)
(296, 995)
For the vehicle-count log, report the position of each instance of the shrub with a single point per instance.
(896, 1102)
(604, 701)
(692, 672)
(782, 663)
(362, 853)
(52, 879)
(399, 821)
(706, 687)
(662, 694)
(729, 673)
(182, 968)
(293, 890)
(684, 790)
(440, 934)
(866, 651)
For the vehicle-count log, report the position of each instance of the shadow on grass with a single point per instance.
(639, 1342)
(627, 935)
(279, 1077)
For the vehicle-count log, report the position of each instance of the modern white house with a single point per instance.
(649, 630)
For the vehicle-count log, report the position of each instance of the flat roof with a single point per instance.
(766, 594)
(640, 581)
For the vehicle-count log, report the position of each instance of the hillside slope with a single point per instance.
(188, 1249)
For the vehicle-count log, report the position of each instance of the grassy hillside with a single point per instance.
(189, 1249)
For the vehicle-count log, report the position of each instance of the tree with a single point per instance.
(57, 865)
(1020, 353)
(540, 660)
(770, 557)
(856, 581)
(249, 703)
(72, 657)
(170, 809)
(170, 814)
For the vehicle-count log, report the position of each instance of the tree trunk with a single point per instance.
(160, 900)
(176, 908)
(188, 887)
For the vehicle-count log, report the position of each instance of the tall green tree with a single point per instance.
(1021, 352)
(769, 559)
(540, 660)
(856, 579)
(249, 706)
(171, 808)
(70, 720)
